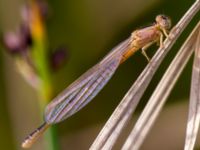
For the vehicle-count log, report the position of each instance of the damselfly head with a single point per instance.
(163, 21)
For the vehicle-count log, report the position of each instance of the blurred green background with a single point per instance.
(90, 29)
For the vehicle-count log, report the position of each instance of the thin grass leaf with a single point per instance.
(162, 91)
(194, 108)
(112, 129)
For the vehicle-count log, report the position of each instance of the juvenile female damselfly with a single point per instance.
(85, 88)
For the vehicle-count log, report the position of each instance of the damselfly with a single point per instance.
(85, 88)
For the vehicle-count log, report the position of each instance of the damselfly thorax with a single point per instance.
(145, 37)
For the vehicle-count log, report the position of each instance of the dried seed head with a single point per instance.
(12, 42)
(17, 42)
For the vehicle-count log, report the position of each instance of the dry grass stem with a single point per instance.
(112, 129)
(194, 108)
(159, 97)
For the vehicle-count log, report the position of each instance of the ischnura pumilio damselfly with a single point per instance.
(85, 88)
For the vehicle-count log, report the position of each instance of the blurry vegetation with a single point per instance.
(89, 29)
(6, 138)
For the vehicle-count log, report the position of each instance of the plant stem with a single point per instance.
(40, 57)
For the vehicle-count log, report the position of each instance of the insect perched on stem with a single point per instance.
(84, 89)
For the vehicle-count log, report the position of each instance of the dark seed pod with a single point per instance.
(58, 58)
(25, 36)
(44, 8)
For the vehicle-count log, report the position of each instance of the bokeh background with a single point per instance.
(90, 29)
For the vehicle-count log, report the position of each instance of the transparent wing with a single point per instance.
(84, 89)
